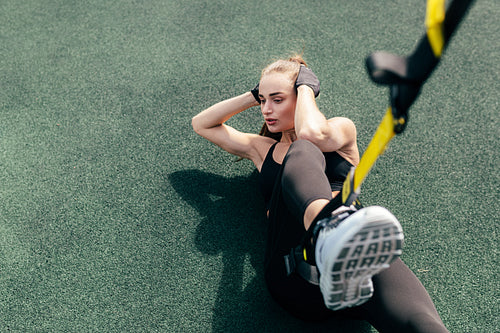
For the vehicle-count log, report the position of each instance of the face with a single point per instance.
(278, 99)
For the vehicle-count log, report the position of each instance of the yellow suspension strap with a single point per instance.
(434, 19)
(405, 77)
(385, 132)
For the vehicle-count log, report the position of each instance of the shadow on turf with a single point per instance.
(233, 226)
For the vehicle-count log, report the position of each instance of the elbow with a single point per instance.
(200, 125)
(196, 124)
(314, 136)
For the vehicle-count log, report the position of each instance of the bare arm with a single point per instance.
(310, 123)
(336, 134)
(218, 113)
(210, 125)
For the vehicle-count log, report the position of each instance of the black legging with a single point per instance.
(400, 302)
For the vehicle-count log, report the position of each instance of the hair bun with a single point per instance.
(298, 58)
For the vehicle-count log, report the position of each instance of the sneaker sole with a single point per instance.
(370, 240)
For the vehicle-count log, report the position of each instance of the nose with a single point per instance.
(266, 107)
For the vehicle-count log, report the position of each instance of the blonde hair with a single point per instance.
(291, 67)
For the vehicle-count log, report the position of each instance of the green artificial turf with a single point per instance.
(115, 216)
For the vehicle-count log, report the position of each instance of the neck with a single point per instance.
(288, 136)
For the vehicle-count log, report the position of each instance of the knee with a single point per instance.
(302, 157)
(304, 151)
(303, 145)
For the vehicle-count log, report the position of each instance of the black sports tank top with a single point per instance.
(337, 169)
(268, 174)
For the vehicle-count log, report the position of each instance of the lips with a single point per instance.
(270, 121)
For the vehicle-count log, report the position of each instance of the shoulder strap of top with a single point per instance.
(271, 150)
(272, 147)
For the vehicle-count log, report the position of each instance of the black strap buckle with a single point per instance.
(294, 262)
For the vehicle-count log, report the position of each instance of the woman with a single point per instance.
(303, 158)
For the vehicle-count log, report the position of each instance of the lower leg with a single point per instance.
(322, 208)
(401, 303)
(313, 210)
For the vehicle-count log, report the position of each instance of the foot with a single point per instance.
(351, 248)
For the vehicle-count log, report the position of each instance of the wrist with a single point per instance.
(305, 89)
(306, 77)
(255, 93)
(249, 96)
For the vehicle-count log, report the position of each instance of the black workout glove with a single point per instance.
(255, 93)
(307, 77)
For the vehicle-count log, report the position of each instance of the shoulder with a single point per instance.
(343, 128)
(346, 129)
(343, 123)
(343, 131)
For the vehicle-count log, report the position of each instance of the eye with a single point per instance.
(277, 100)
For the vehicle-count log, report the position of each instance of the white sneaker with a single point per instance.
(349, 253)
